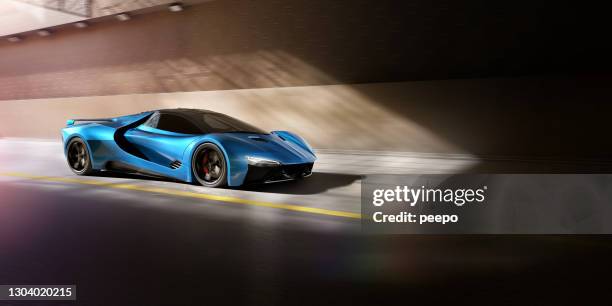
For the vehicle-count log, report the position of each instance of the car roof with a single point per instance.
(185, 111)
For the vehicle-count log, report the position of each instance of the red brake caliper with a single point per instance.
(204, 163)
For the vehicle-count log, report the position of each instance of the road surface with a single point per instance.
(128, 240)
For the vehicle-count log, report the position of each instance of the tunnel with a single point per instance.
(297, 110)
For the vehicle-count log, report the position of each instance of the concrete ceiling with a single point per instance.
(17, 17)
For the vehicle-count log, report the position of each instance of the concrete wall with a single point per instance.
(548, 117)
(335, 116)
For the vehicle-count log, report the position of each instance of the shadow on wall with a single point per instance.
(262, 68)
(554, 117)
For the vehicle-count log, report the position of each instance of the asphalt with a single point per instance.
(125, 240)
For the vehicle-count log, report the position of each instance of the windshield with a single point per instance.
(219, 123)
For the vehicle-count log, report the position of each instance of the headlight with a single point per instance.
(257, 161)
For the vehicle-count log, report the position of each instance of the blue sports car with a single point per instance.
(190, 145)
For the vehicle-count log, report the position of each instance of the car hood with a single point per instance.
(268, 146)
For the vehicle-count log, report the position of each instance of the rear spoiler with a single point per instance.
(70, 122)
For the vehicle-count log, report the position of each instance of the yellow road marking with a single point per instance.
(190, 194)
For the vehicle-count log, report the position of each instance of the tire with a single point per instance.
(78, 157)
(209, 166)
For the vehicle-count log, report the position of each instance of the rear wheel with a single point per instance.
(78, 157)
(209, 166)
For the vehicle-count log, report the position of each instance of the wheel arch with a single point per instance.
(72, 137)
(191, 176)
(67, 143)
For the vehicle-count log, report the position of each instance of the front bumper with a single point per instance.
(280, 173)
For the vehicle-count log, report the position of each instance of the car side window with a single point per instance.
(152, 121)
(176, 124)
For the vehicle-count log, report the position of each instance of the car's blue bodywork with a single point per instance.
(126, 141)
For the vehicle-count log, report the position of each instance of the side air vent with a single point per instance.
(175, 164)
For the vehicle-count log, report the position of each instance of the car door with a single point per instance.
(163, 138)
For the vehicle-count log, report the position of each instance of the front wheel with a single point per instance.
(78, 157)
(209, 166)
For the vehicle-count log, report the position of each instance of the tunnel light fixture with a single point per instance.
(43, 33)
(175, 7)
(14, 39)
(81, 24)
(123, 17)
